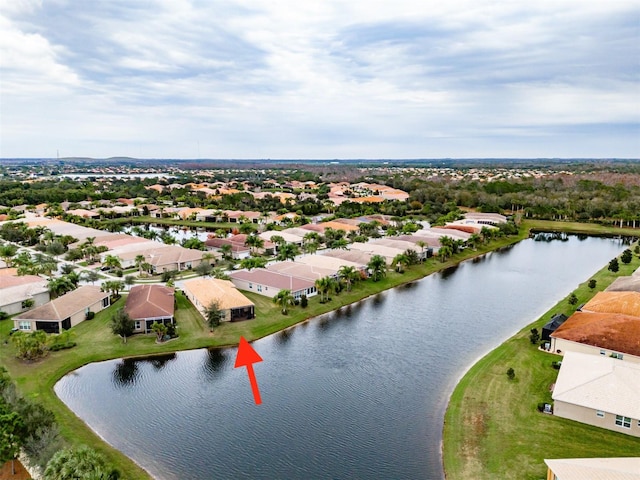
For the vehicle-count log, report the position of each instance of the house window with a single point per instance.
(622, 421)
(105, 302)
(617, 355)
(24, 325)
(259, 288)
(137, 325)
(251, 285)
(599, 414)
(603, 352)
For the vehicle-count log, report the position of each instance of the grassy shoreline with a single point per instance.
(96, 343)
(492, 428)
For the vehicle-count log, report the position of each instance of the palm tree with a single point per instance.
(160, 329)
(91, 276)
(226, 251)
(324, 285)
(284, 299)
(7, 251)
(444, 252)
(59, 286)
(378, 267)
(421, 244)
(288, 251)
(112, 261)
(349, 275)
(139, 261)
(254, 242)
(474, 240)
(400, 261)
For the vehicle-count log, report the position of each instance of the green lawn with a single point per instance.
(492, 427)
(95, 343)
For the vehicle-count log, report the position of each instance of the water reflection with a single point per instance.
(284, 336)
(126, 372)
(448, 272)
(215, 362)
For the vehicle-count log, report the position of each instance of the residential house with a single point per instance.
(269, 283)
(64, 312)
(354, 256)
(233, 305)
(330, 263)
(607, 334)
(18, 293)
(599, 391)
(301, 270)
(613, 468)
(147, 304)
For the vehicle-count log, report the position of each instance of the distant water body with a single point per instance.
(359, 393)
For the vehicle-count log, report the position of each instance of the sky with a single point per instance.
(320, 79)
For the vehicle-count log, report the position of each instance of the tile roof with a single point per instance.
(301, 270)
(277, 280)
(150, 301)
(617, 332)
(66, 305)
(627, 303)
(224, 292)
(599, 382)
(17, 288)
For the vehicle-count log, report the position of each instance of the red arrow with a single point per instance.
(247, 356)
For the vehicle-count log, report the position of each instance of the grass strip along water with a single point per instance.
(95, 342)
(492, 426)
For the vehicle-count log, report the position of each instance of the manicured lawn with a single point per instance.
(492, 426)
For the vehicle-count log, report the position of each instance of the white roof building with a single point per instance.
(616, 468)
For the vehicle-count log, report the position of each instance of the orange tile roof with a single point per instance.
(617, 332)
(627, 303)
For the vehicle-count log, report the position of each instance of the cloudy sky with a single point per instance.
(320, 78)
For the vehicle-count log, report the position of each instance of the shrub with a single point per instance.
(592, 283)
(511, 373)
(534, 336)
(304, 301)
(626, 256)
(61, 346)
(90, 315)
(613, 265)
(573, 299)
(541, 407)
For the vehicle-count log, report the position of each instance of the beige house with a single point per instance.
(64, 312)
(17, 292)
(599, 391)
(147, 304)
(234, 306)
(267, 283)
(615, 468)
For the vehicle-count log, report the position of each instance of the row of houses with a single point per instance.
(599, 379)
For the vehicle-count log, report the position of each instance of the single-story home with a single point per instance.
(147, 304)
(269, 283)
(301, 270)
(233, 305)
(18, 292)
(331, 263)
(354, 256)
(600, 391)
(64, 312)
(612, 468)
(606, 334)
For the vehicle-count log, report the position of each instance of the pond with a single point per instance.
(357, 393)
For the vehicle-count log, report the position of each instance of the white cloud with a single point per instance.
(319, 79)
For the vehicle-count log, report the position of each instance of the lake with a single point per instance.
(359, 393)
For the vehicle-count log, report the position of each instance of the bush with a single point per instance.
(511, 373)
(62, 346)
(592, 283)
(626, 256)
(573, 299)
(304, 301)
(534, 336)
(90, 315)
(613, 265)
(541, 407)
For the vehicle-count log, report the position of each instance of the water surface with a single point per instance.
(355, 394)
